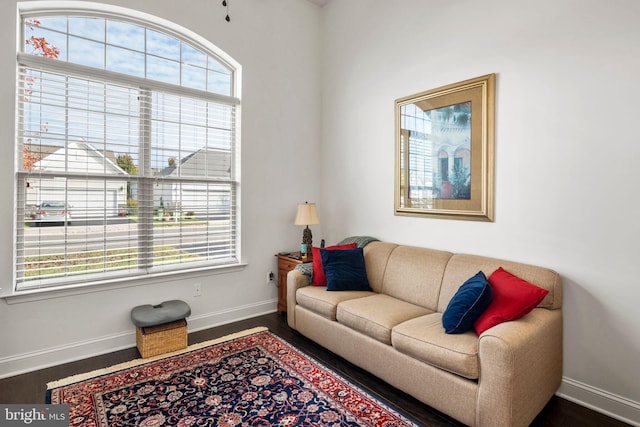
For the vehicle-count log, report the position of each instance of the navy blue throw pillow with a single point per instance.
(345, 270)
(469, 302)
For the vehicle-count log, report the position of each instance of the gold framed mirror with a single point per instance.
(445, 151)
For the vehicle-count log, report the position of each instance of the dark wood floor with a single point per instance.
(31, 387)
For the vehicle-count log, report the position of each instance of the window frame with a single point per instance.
(45, 8)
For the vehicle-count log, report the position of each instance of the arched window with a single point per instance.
(126, 147)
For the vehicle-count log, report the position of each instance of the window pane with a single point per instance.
(127, 35)
(163, 70)
(216, 65)
(125, 61)
(43, 42)
(65, 226)
(122, 100)
(43, 108)
(128, 161)
(85, 52)
(159, 44)
(193, 138)
(193, 111)
(194, 77)
(122, 136)
(58, 23)
(219, 138)
(193, 56)
(165, 140)
(207, 234)
(90, 28)
(220, 116)
(194, 153)
(219, 83)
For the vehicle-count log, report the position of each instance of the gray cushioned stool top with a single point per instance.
(166, 312)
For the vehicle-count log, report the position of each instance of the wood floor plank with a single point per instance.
(31, 387)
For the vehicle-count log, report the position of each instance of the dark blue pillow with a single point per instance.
(469, 302)
(345, 270)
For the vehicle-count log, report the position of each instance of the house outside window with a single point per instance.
(127, 148)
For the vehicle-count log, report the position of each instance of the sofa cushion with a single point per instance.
(318, 278)
(471, 300)
(376, 255)
(345, 270)
(461, 266)
(318, 300)
(423, 338)
(513, 297)
(376, 315)
(414, 275)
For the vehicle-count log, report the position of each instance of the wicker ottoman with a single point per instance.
(161, 328)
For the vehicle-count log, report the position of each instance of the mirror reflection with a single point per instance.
(435, 153)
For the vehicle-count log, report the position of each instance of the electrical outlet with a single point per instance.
(270, 278)
(197, 289)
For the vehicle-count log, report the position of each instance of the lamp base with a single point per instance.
(307, 241)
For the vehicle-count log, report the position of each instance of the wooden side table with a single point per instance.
(285, 264)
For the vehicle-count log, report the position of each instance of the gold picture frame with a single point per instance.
(445, 151)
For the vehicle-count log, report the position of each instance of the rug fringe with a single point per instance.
(103, 371)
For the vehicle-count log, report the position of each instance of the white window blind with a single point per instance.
(122, 173)
(419, 170)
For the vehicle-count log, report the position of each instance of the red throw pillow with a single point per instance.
(319, 279)
(513, 297)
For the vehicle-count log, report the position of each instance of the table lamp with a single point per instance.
(307, 215)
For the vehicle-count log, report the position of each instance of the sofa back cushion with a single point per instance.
(461, 267)
(376, 256)
(414, 275)
(430, 278)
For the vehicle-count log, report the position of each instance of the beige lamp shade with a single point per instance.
(307, 214)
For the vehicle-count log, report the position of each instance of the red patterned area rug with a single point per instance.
(253, 378)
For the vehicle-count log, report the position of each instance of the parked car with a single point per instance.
(50, 213)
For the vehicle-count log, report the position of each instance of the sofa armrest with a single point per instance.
(520, 368)
(295, 281)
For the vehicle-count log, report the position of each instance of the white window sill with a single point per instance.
(18, 297)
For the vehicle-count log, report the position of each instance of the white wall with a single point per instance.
(567, 152)
(277, 43)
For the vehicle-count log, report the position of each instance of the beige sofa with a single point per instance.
(501, 379)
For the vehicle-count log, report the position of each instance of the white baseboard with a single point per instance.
(71, 352)
(52, 356)
(211, 320)
(602, 401)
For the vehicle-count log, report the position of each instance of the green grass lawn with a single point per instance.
(59, 265)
